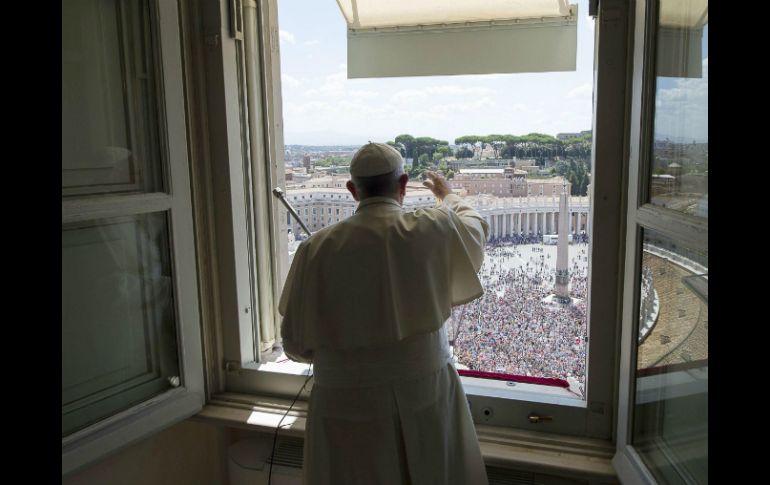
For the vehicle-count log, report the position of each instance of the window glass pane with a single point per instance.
(109, 99)
(679, 178)
(671, 407)
(119, 342)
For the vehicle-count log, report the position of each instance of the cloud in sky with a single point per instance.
(317, 95)
(583, 91)
(287, 37)
(410, 95)
(681, 107)
(290, 81)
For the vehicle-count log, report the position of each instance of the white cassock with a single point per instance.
(366, 300)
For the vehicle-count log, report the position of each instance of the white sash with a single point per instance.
(411, 357)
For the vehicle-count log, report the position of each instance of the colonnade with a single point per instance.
(507, 217)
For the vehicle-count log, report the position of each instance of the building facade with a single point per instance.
(507, 216)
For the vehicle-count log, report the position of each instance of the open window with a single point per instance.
(131, 352)
(254, 365)
(663, 408)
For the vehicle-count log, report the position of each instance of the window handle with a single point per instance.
(236, 19)
(536, 418)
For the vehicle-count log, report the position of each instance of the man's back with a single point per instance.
(382, 275)
(366, 301)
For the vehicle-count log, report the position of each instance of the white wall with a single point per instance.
(189, 453)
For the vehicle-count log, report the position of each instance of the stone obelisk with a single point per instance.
(561, 288)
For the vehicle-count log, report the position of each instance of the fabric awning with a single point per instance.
(444, 37)
(368, 14)
(689, 14)
(680, 38)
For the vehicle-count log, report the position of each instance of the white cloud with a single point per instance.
(410, 95)
(333, 86)
(407, 95)
(287, 37)
(290, 81)
(681, 111)
(311, 42)
(461, 108)
(337, 87)
(311, 108)
(584, 91)
(362, 94)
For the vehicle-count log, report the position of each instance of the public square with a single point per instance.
(510, 329)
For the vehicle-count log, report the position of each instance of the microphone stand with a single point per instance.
(280, 195)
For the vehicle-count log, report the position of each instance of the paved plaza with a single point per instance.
(511, 328)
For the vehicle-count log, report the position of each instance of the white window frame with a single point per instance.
(689, 230)
(594, 417)
(127, 427)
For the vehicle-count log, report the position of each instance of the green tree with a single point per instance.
(407, 144)
(472, 142)
(397, 146)
(464, 152)
(442, 151)
(414, 172)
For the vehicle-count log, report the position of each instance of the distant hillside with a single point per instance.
(322, 148)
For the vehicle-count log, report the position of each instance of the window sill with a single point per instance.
(100, 440)
(472, 386)
(567, 456)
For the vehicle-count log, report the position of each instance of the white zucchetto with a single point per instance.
(375, 159)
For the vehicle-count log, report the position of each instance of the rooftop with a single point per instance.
(482, 170)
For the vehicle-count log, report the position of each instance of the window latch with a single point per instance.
(236, 19)
(536, 418)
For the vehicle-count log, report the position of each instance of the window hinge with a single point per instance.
(593, 8)
(232, 366)
(236, 19)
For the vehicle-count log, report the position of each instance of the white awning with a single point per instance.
(680, 38)
(444, 37)
(689, 14)
(368, 14)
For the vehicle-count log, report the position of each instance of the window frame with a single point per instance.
(120, 430)
(641, 214)
(594, 417)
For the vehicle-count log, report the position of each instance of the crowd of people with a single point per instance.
(511, 329)
(647, 298)
(532, 238)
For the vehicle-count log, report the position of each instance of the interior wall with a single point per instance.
(189, 452)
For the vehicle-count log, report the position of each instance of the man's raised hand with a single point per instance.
(437, 184)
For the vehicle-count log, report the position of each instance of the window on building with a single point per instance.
(130, 328)
(568, 406)
(663, 413)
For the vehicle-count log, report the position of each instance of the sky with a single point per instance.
(321, 106)
(681, 104)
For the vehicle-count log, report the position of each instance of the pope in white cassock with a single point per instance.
(365, 301)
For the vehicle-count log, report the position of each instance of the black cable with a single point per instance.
(275, 436)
